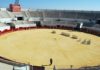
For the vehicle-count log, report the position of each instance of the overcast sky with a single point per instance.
(56, 4)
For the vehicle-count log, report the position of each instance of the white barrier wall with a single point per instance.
(4, 66)
(24, 25)
(22, 68)
(2, 28)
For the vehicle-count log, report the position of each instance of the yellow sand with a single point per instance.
(37, 46)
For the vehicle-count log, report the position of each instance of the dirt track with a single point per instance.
(37, 46)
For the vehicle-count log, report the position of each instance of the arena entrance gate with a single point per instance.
(38, 23)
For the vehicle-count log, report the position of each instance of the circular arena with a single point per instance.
(37, 46)
(49, 39)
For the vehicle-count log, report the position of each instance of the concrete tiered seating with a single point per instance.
(24, 24)
(26, 13)
(4, 14)
(60, 23)
(23, 14)
(65, 14)
(35, 14)
(51, 14)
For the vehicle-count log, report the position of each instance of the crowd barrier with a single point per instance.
(85, 30)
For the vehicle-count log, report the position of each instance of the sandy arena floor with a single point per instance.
(37, 46)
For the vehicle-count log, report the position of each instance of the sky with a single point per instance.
(91, 5)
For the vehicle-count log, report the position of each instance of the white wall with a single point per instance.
(5, 66)
(22, 68)
(25, 25)
(2, 28)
